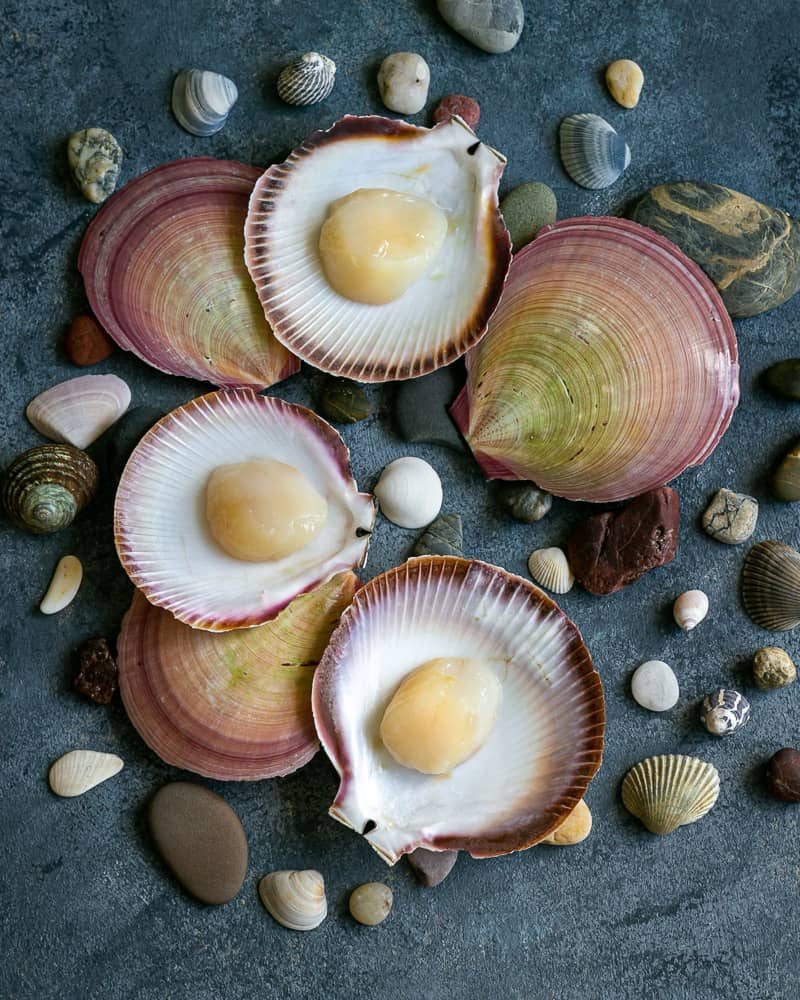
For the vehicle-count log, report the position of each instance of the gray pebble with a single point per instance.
(524, 501)
(492, 25)
(731, 517)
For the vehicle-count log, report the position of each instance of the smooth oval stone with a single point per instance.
(731, 517)
(420, 408)
(525, 210)
(750, 251)
(784, 378)
(201, 839)
(492, 25)
(431, 867)
(786, 478)
(655, 686)
(403, 81)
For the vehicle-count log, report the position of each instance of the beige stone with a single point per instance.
(624, 79)
(575, 828)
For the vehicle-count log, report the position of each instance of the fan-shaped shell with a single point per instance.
(593, 153)
(79, 770)
(163, 270)
(160, 528)
(601, 328)
(45, 487)
(550, 569)
(296, 899)
(78, 411)
(669, 791)
(771, 585)
(231, 705)
(445, 312)
(202, 100)
(546, 743)
(307, 80)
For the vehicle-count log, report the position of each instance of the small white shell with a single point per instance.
(409, 492)
(593, 153)
(296, 899)
(64, 585)
(669, 791)
(307, 80)
(689, 609)
(550, 569)
(79, 770)
(79, 410)
(202, 100)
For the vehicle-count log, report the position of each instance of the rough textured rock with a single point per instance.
(524, 501)
(773, 668)
(492, 25)
(443, 537)
(609, 551)
(97, 677)
(458, 104)
(731, 517)
(431, 867)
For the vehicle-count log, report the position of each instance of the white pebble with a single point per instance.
(655, 686)
(64, 585)
(403, 81)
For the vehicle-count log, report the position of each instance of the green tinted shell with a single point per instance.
(45, 487)
(442, 537)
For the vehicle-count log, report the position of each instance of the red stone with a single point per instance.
(87, 342)
(458, 104)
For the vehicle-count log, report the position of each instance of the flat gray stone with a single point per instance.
(492, 25)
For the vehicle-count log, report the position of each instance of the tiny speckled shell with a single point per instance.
(307, 80)
(669, 791)
(725, 711)
(593, 153)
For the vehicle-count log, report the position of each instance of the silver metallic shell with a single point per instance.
(307, 80)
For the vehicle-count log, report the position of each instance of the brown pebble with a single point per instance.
(201, 839)
(458, 104)
(783, 775)
(87, 342)
(431, 867)
(97, 677)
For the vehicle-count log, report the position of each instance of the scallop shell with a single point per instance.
(296, 899)
(78, 411)
(550, 569)
(689, 609)
(79, 770)
(64, 585)
(445, 312)
(307, 80)
(669, 791)
(163, 268)
(45, 487)
(160, 528)
(548, 738)
(593, 153)
(409, 492)
(725, 711)
(202, 100)
(235, 706)
(771, 586)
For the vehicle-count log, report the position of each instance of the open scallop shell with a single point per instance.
(442, 314)
(163, 269)
(609, 367)
(159, 518)
(771, 585)
(79, 410)
(232, 705)
(669, 791)
(545, 746)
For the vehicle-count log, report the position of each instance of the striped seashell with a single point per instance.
(592, 152)
(202, 100)
(79, 410)
(45, 487)
(771, 586)
(307, 80)
(296, 899)
(79, 770)
(669, 791)
(550, 569)
(725, 711)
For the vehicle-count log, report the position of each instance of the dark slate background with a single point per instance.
(86, 909)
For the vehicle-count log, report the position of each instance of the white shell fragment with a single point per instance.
(550, 569)
(95, 158)
(724, 711)
(79, 410)
(64, 585)
(403, 82)
(202, 100)
(654, 686)
(593, 153)
(409, 493)
(79, 770)
(307, 80)
(296, 899)
(689, 609)
(669, 791)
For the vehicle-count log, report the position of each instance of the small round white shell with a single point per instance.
(409, 492)
(689, 609)
(296, 899)
(550, 569)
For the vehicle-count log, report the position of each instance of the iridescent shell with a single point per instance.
(45, 487)
(669, 791)
(202, 100)
(771, 585)
(307, 80)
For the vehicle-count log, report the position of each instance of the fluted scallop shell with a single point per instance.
(45, 487)
(163, 267)
(443, 313)
(159, 521)
(593, 153)
(79, 770)
(602, 327)
(550, 569)
(725, 711)
(79, 410)
(296, 899)
(689, 609)
(202, 100)
(771, 585)
(669, 791)
(235, 706)
(546, 743)
(307, 80)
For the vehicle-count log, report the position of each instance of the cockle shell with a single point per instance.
(409, 492)
(45, 487)
(771, 585)
(202, 100)
(593, 153)
(64, 585)
(296, 899)
(724, 711)
(95, 158)
(79, 770)
(307, 80)
(550, 569)
(689, 609)
(669, 791)
(79, 410)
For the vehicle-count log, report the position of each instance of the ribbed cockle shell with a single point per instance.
(296, 899)
(771, 585)
(593, 153)
(45, 487)
(669, 791)
(550, 569)
(307, 80)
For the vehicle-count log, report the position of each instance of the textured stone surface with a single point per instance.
(526, 209)
(731, 517)
(87, 912)
(458, 104)
(86, 342)
(492, 25)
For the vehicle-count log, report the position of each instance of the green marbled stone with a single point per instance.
(784, 378)
(525, 210)
(750, 251)
(442, 537)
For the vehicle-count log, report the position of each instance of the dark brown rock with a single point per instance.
(97, 677)
(87, 342)
(431, 867)
(201, 839)
(609, 551)
(783, 775)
